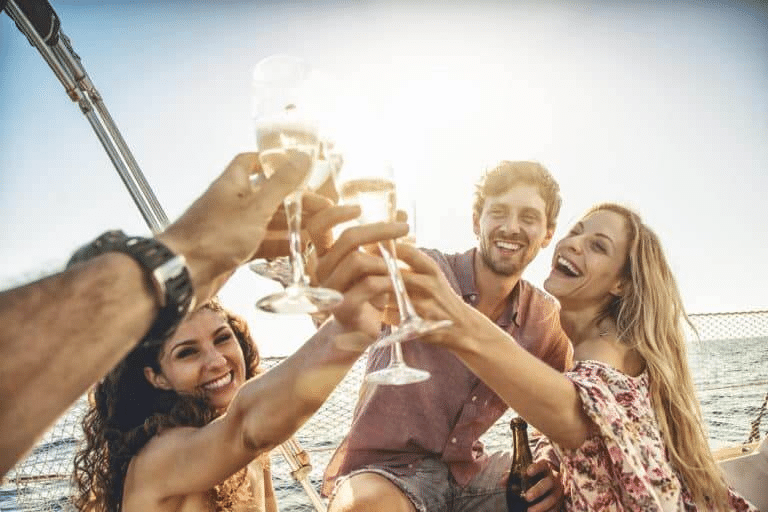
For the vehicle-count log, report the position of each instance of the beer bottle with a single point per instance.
(519, 481)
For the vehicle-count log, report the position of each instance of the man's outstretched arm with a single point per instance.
(62, 333)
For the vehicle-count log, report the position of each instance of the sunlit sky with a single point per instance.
(662, 107)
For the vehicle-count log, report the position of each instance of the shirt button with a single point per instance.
(453, 440)
(474, 398)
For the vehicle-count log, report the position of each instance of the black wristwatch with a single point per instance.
(166, 271)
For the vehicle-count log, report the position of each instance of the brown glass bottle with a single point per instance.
(519, 481)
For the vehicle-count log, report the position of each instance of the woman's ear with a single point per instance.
(548, 237)
(157, 380)
(619, 288)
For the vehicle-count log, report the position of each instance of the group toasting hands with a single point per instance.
(622, 425)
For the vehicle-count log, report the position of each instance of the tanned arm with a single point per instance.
(60, 334)
(546, 398)
(269, 408)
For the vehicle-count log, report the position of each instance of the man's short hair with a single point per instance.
(508, 174)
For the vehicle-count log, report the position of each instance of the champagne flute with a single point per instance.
(287, 134)
(373, 189)
(279, 268)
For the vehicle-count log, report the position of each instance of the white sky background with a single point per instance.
(663, 108)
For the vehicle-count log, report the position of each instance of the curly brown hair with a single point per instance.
(126, 411)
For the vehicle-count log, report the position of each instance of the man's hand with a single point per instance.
(226, 225)
(549, 489)
(275, 241)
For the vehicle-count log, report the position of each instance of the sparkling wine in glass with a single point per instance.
(287, 135)
(376, 196)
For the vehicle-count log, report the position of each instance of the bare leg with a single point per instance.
(369, 492)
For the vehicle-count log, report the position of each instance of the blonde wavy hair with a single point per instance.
(650, 317)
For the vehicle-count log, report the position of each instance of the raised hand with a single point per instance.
(434, 299)
(226, 225)
(361, 276)
(275, 242)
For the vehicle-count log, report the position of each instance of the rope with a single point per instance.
(729, 313)
(754, 434)
(731, 386)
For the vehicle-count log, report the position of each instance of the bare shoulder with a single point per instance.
(164, 444)
(187, 461)
(166, 438)
(142, 488)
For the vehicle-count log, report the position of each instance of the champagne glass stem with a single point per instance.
(397, 354)
(404, 305)
(293, 212)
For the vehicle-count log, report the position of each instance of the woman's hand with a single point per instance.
(359, 275)
(549, 489)
(276, 241)
(435, 299)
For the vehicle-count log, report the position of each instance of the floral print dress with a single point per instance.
(622, 466)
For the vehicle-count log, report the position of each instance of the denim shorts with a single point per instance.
(429, 485)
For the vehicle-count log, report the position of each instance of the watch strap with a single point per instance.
(167, 273)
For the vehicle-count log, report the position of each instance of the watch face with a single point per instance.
(172, 269)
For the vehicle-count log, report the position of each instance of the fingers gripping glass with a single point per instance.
(287, 135)
(279, 268)
(374, 192)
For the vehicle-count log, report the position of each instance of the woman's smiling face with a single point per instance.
(202, 357)
(588, 262)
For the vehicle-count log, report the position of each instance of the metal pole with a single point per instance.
(133, 177)
(67, 69)
(298, 460)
